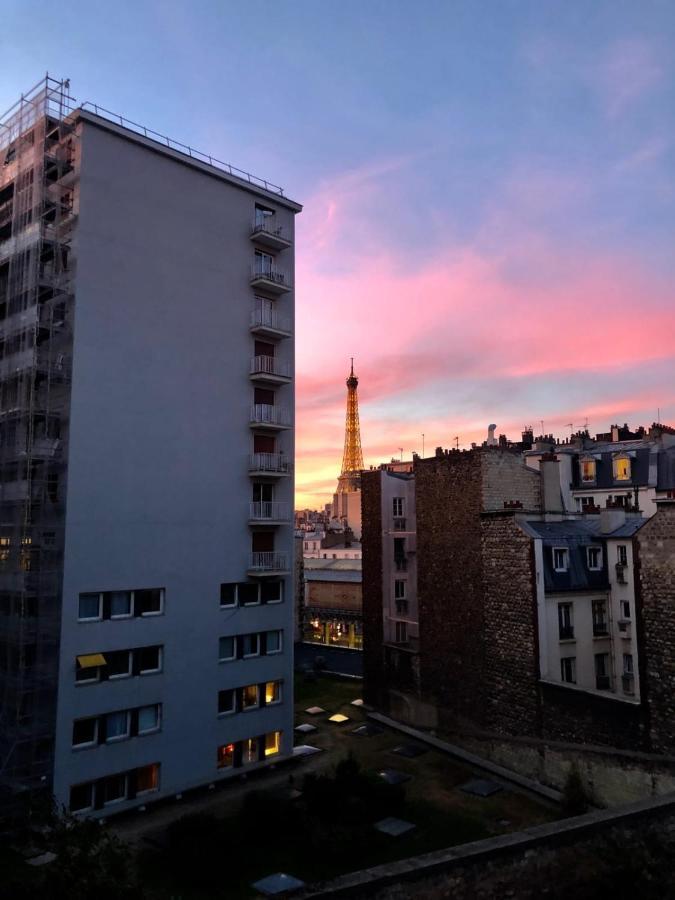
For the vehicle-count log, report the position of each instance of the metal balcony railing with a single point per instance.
(262, 316)
(600, 629)
(268, 561)
(269, 510)
(268, 226)
(270, 274)
(566, 632)
(264, 414)
(269, 462)
(270, 365)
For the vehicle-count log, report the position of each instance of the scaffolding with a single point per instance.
(39, 162)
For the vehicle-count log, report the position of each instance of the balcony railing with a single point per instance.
(269, 511)
(600, 629)
(270, 278)
(263, 317)
(264, 414)
(268, 561)
(269, 462)
(270, 365)
(269, 233)
(566, 632)
(399, 524)
(401, 563)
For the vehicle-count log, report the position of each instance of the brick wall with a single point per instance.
(506, 478)
(333, 595)
(374, 682)
(655, 571)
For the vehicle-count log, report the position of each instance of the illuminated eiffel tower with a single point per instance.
(352, 458)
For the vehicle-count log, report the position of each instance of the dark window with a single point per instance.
(262, 542)
(622, 555)
(262, 348)
(250, 645)
(81, 797)
(149, 659)
(84, 731)
(89, 606)
(118, 663)
(600, 626)
(228, 594)
(263, 443)
(226, 648)
(565, 622)
(568, 669)
(263, 396)
(225, 702)
(248, 594)
(270, 591)
(114, 788)
(148, 602)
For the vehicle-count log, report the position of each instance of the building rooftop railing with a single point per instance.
(104, 113)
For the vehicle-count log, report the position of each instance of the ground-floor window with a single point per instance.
(335, 631)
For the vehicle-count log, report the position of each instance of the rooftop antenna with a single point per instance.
(422, 445)
(541, 422)
(401, 451)
(457, 442)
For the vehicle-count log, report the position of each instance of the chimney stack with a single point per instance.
(551, 494)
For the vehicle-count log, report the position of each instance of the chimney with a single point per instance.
(491, 439)
(611, 519)
(551, 495)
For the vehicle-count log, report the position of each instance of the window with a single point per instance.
(621, 467)
(628, 664)
(119, 663)
(560, 559)
(85, 732)
(565, 622)
(250, 696)
(594, 558)
(149, 659)
(625, 609)
(272, 743)
(226, 701)
(250, 645)
(228, 594)
(568, 669)
(587, 470)
(147, 779)
(399, 589)
(248, 594)
(264, 263)
(120, 604)
(400, 561)
(622, 555)
(149, 602)
(250, 750)
(116, 726)
(89, 607)
(148, 719)
(273, 642)
(602, 679)
(226, 648)
(401, 632)
(114, 789)
(225, 757)
(88, 667)
(263, 216)
(398, 506)
(600, 627)
(81, 797)
(272, 692)
(271, 591)
(587, 503)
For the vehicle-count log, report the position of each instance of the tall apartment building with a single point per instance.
(146, 428)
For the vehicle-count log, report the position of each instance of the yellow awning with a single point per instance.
(91, 660)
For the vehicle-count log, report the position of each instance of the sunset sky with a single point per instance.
(489, 192)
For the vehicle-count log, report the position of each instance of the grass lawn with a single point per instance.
(272, 832)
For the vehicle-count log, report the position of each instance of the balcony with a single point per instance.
(270, 369)
(273, 281)
(270, 418)
(269, 512)
(267, 233)
(275, 464)
(600, 629)
(625, 628)
(566, 632)
(268, 562)
(267, 322)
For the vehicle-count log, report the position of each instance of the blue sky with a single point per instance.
(489, 191)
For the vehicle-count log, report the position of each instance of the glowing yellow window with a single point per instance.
(622, 469)
(588, 470)
(272, 692)
(272, 743)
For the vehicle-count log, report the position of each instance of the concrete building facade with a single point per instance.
(175, 609)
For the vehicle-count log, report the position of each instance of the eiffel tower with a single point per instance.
(352, 457)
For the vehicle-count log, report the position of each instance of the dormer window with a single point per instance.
(560, 559)
(587, 470)
(621, 466)
(594, 558)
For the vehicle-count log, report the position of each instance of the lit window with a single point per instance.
(273, 642)
(89, 607)
(147, 779)
(116, 726)
(226, 648)
(149, 660)
(594, 558)
(149, 602)
(621, 465)
(272, 743)
(272, 692)
(250, 645)
(81, 797)
(250, 696)
(560, 559)
(568, 669)
(85, 732)
(250, 751)
(5, 544)
(225, 758)
(587, 470)
(226, 701)
(120, 604)
(148, 719)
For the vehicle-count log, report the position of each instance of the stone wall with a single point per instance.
(506, 479)
(655, 584)
(374, 680)
(334, 595)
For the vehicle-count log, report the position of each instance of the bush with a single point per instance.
(576, 797)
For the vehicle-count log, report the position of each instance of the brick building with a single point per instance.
(493, 646)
